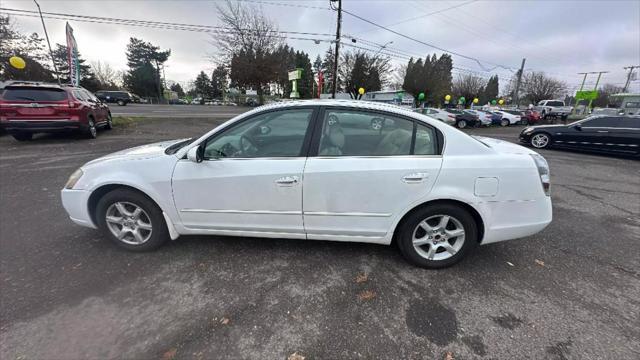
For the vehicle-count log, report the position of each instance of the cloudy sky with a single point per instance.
(561, 38)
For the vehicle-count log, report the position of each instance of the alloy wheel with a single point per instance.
(128, 222)
(93, 132)
(462, 124)
(438, 237)
(540, 141)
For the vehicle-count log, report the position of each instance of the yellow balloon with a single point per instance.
(17, 62)
(447, 97)
(475, 101)
(500, 101)
(361, 91)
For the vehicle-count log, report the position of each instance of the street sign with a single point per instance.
(295, 74)
(587, 95)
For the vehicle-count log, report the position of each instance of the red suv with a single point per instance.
(27, 108)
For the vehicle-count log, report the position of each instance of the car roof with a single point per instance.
(40, 84)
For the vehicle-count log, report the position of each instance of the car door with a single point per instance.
(358, 178)
(97, 106)
(596, 134)
(626, 134)
(250, 181)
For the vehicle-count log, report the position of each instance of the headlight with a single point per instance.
(527, 130)
(73, 179)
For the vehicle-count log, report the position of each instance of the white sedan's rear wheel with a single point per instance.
(504, 122)
(437, 236)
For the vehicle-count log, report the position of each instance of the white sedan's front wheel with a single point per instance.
(131, 220)
(504, 122)
(437, 236)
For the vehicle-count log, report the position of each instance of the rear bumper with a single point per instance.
(13, 126)
(75, 202)
(517, 219)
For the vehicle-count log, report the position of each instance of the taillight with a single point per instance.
(74, 104)
(543, 171)
(451, 116)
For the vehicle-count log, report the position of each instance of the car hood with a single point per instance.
(137, 153)
(504, 147)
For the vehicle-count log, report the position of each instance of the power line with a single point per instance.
(135, 22)
(428, 44)
(427, 14)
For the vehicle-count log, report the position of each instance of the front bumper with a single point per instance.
(13, 126)
(76, 203)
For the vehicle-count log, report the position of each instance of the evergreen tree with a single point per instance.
(145, 62)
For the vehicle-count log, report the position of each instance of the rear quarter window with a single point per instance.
(34, 94)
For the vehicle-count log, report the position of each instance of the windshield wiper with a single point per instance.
(25, 98)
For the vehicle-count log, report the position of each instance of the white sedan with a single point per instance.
(319, 170)
(509, 118)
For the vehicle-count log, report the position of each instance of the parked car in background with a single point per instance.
(508, 118)
(122, 98)
(600, 133)
(523, 120)
(483, 117)
(436, 202)
(531, 117)
(463, 119)
(553, 108)
(27, 108)
(439, 114)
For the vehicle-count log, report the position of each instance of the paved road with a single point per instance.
(571, 291)
(176, 111)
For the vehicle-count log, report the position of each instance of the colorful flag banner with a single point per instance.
(72, 57)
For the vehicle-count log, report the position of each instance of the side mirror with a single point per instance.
(195, 154)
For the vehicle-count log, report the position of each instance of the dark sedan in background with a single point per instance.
(606, 134)
(464, 119)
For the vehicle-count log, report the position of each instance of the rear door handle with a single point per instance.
(287, 180)
(415, 177)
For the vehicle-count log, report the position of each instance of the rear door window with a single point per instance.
(628, 123)
(33, 94)
(601, 122)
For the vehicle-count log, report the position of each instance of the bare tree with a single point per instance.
(397, 77)
(469, 86)
(105, 74)
(536, 86)
(248, 44)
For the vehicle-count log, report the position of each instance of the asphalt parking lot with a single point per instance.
(569, 292)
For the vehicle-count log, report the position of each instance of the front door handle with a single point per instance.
(415, 177)
(287, 180)
(602, 131)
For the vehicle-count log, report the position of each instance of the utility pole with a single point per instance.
(595, 88)
(515, 93)
(626, 85)
(46, 35)
(335, 61)
(573, 111)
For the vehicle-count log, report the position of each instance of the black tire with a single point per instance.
(461, 124)
(91, 132)
(121, 103)
(408, 226)
(109, 124)
(23, 136)
(159, 233)
(538, 143)
(504, 122)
